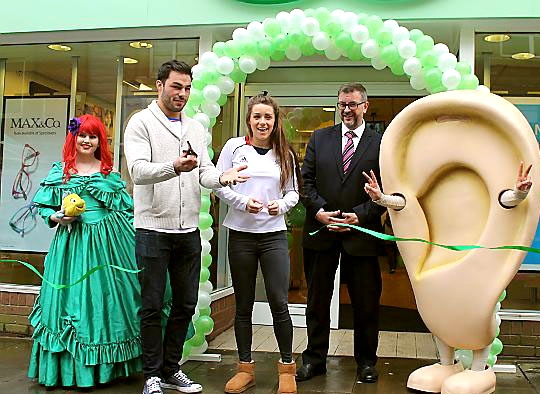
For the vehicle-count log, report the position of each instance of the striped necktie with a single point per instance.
(348, 151)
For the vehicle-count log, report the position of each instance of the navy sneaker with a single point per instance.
(179, 381)
(152, 386)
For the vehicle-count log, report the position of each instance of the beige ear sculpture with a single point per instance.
(451, 155)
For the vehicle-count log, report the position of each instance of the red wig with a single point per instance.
(89, 124)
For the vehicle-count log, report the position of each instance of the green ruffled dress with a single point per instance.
(87, 334)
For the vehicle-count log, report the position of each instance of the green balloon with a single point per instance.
(205, 311)
(210, 78)
(389, 54)
(232, 49)
(332, 27)
(205, 203)
(195, 97)
(424, 43)
(219, 48)
(463, 68)
(307, 48)
(429, 59)
(374, 24)
(397, 68)
(296, 39)
(280, 42)
(204, 275)
(271, 27)
(355, 53)
(362, 18)
(344, 41)
(436, 88)
(384, 37)
(206, 260)
(186, 351)
(210, 152)
(237, 75)
(189, 110)
(277, 56)
(415, 34)
(491, 360)
(469, 81)
(497, 331)
(197, 340)
(221, 100)
(212, 124)
(198, 83)
(496, 347)
(310, 12)
(249, 48)
(205, 220)
(204, 325)
(432, 76)
(503, 296)
(322, 14)
(264, 47)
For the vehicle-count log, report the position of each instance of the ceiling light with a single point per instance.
(497, 38)
(129, 60)
(59, 47)
(523, 55)
(140, 44)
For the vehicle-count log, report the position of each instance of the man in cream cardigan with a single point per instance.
(167, 160)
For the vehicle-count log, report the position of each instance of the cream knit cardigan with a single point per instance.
(164, 199)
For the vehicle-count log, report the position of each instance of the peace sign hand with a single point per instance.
(523, 182)
(372, 186)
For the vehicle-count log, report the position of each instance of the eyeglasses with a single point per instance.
(21, 183)
(352, 105)
(24, 219)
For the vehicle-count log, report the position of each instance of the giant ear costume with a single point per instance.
(451, 155)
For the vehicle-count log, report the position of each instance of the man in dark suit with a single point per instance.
(333, 186)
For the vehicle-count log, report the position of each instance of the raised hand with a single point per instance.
(523, 182)
(372, 187)
(233, 176)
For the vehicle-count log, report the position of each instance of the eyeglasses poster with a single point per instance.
(33, 133)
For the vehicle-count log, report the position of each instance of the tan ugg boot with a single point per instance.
(287, 381)
(243, 380)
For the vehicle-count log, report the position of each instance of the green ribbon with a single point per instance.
(386, 237)
(85, 276)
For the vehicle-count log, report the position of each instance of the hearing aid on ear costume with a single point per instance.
(450, 155)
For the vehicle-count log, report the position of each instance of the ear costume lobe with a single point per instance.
(450, 155)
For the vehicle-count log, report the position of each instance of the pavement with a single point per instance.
(341, 376)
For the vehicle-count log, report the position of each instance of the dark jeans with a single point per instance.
(363, 278)
(246, 251)
(180, 255)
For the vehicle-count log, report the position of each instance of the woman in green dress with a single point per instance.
(87, 334)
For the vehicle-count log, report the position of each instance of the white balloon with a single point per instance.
(407, 49)
(211, 93)
(497, 307)
(440, 48)
(197, 312)
(225, 84)
(205, 191)
(497, 320)
(204, 300)
(263, 62)
(197, 70)
(241, 36)
(400, 34)
(284, 19)
(447, 61)
(208, 138)
(247, 64)
(359, 34)
(202, 119)
(211, 109)
(348, 21)
(209, 59)
(370, 48)
(293, 53)
(297, 17)
(207, 234)
(390, 24)
(485, 89)
(417, 82)
(256, 29)
(451, 79)
(332, 52)
(412, 66)
(321, 41)
(206, 286)
(310, 26)
(337, 14)
(377, 63)
(224, 65)
(206, 247)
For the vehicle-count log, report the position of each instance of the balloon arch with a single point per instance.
(292, 35)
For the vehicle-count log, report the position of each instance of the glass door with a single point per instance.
(301, 116)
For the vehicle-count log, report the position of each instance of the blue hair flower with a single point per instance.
(73, 126)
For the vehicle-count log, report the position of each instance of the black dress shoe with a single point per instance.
(307, 371)
(368, 374)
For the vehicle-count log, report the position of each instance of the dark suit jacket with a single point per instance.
(325, 186)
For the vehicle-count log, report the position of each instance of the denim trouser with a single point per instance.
(246, 251)
(157, 253)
